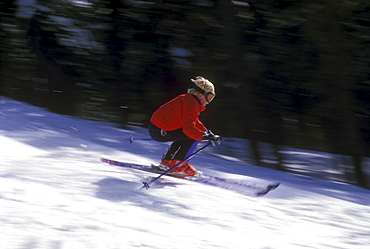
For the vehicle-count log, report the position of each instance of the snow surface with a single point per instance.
(55, 193)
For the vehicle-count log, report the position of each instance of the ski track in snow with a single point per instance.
(55, 193)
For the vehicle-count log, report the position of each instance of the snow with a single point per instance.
(55, 193)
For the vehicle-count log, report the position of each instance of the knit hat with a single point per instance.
(205, 87)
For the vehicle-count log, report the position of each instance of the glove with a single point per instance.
(214, 139)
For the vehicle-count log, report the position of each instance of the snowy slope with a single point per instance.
(54, 193)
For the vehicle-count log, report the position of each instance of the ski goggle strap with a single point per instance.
(208, 95)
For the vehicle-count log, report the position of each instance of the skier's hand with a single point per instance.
(214, 139)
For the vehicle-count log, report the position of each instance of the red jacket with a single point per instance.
(181, 112)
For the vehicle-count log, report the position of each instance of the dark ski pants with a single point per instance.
(182, 145)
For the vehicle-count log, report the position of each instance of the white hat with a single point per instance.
(204, 85)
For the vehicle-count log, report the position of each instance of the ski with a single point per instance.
(246, 188)
(147, 168)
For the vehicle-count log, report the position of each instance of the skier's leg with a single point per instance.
(172, 151)
(156, 133)
(187, 147)
(181, 148)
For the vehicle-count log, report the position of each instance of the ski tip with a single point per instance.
(274, 186)
(268, 189)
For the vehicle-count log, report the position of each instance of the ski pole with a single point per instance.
(131, 139)
(147, 184)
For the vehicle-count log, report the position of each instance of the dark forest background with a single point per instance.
(287, 72)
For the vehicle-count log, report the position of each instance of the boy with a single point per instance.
(177, 120)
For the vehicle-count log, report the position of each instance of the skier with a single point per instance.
(177, 121)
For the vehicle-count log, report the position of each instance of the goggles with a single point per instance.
(208, 95)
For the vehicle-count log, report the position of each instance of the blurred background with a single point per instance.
(290, 73)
